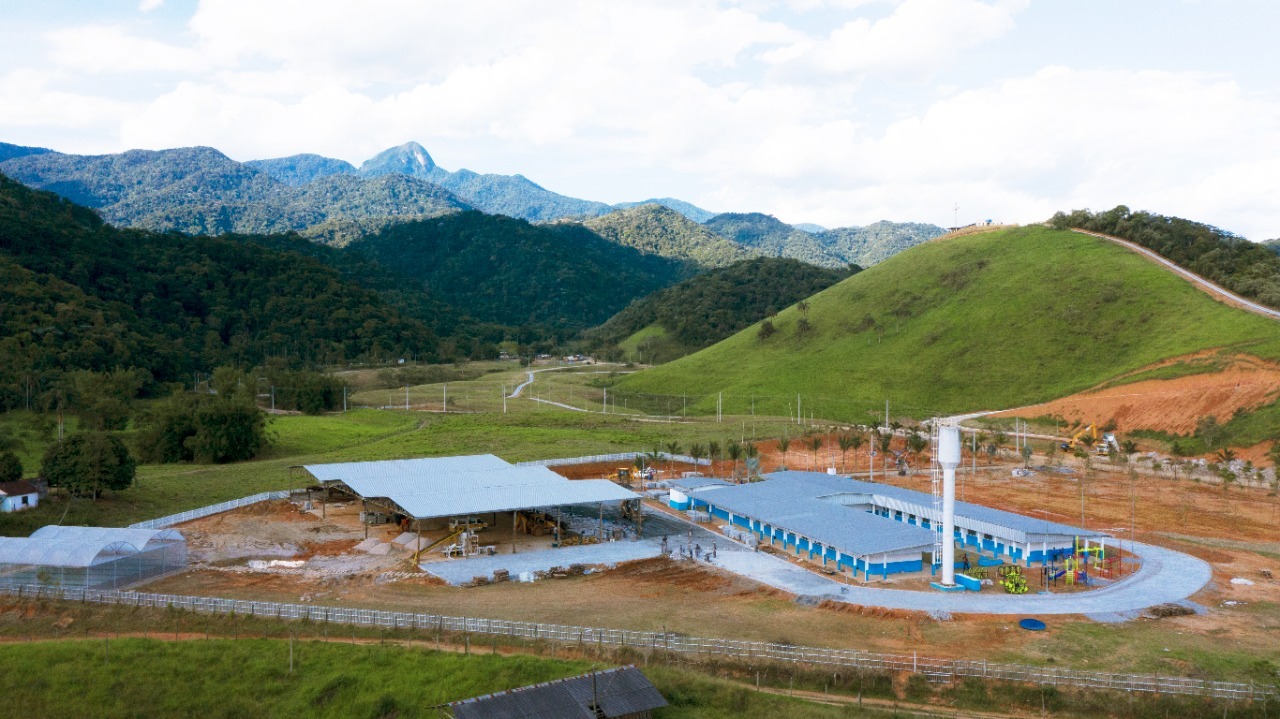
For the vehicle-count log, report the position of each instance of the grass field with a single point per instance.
(985, 321)
(213, 678)
(530, 431)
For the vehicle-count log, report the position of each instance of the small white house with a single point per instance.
(17, 496)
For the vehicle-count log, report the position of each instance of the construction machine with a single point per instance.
(1103, 443)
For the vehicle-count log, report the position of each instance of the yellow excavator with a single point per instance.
(1101, 442)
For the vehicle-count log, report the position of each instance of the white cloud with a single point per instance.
(736, 105)
(149, 5)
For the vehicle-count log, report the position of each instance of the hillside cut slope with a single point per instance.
(987, 321)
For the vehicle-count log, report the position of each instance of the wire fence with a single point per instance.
(935, 669)
(615, 457)
(212, 509)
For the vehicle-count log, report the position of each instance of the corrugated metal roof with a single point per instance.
(618, 692)
(419, 467)
(453, 486)
(687, 483)
(783, 503)
(482, 500)
(921, 504)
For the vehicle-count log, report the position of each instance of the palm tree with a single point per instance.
(1226, 455)
(734, 451)
(886, 441)
(857, 438)
(713, 452)
(815, 445)
(783, 445)
(1000, 439)
(916, 443)
(845, 442)
(751, 451)
(697, 452)
(673, 448)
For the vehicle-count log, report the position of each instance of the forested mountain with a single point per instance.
(705, 309)
(774, 238)
(1246, 268)
(510, 195)
(81, 294)
(298, 170)
(688, 209)
(657, 230)
(865, 246)
(8, 152)
(508, 271)
(199, 190)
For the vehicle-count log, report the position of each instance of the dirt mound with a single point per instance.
(685, 575)
(1170, 405)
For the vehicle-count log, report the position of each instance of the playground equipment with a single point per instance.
(1012, 579)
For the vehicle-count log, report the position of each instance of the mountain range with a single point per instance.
(199, 190)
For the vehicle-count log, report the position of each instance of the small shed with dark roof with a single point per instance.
(17, 496)
(622, 693)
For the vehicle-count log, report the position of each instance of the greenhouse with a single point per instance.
(90, 557)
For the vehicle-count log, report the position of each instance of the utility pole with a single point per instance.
(720, 407)
(444, 403)
(406, 398)
(273, 398)
(605, 409)
(799, 416)
(344, 398)
(504, 399)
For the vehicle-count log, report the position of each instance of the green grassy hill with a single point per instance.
(985, 321)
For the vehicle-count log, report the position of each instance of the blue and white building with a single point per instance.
(865, 529)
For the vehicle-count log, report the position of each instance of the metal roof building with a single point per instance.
(867, 528)
(437, 487)
(622, 693)
(90, 557)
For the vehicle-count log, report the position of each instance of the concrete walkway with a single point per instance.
(461, 571)
(1165, 576)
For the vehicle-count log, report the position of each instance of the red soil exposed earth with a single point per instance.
(1170, 405)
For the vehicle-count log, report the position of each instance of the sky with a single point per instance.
(835, 112)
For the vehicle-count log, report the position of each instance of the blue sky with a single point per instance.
(838, 112)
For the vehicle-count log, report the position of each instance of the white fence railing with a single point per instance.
(191, 514)
(615, 457)
(936, 669)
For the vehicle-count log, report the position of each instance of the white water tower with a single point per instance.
(949, 458)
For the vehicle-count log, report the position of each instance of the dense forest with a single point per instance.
(1246, 268)
(198, 190)
(80, 294)
(507, 271)
(774, 238)
(710, 307)
(658, 230)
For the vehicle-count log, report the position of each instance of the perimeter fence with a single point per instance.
(934, 669)
(190, 514)
(615, 457)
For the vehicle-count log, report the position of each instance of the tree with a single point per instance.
(783, 445)
(815, 445)
(104, 400)
(89, 463)
(916, 443)
(10, 467)
(734, 451)
(713, 453)
(857, 438)
(767, 330)
(203, 428)
(752, 452)
(673, 448)
(697, 452)
(1210, 432)
(886, 441)
(845, 442)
